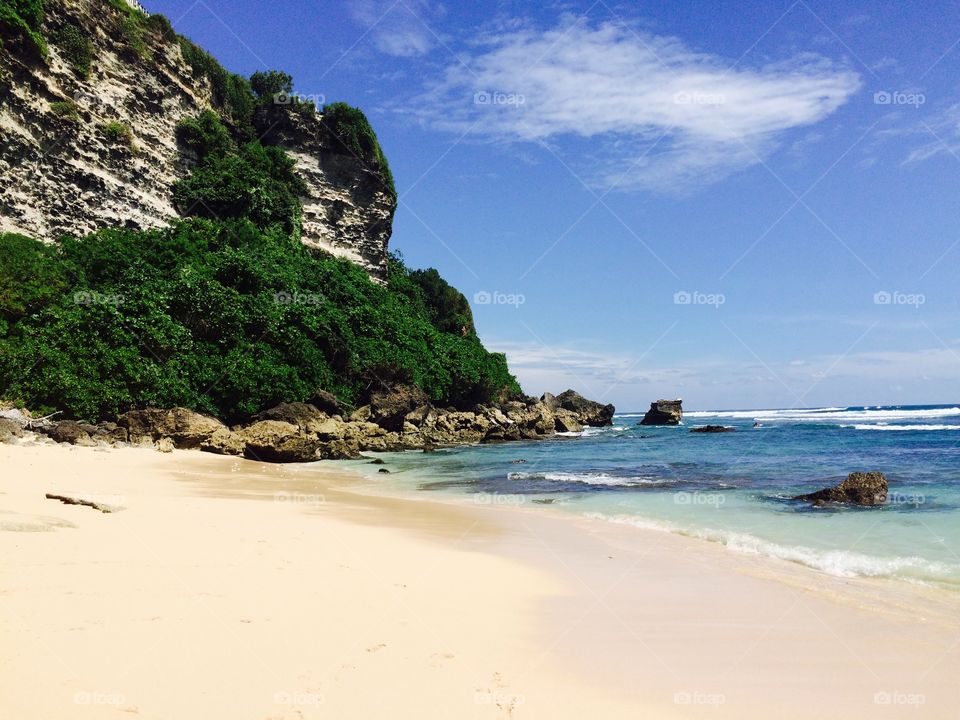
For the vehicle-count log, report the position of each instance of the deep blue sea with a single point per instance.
(734, 488)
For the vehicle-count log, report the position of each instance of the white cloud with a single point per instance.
(877, 377)
(399, 28)
(678, 114)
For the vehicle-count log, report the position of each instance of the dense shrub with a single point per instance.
(231, 93)
(118, 133)
(268, 84)
(218, 316)
(77, 48)
(20, 20)
(357, 137)
(251, 181)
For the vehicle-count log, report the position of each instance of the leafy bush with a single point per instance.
(356, 136)
(21, 20)
(250, 181)
(205, 134)
(273, 82)
(66, 109)
(118, 133)
(221, 317)
(231, 93)
(77, 48)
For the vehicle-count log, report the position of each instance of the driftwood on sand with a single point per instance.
(66, 499)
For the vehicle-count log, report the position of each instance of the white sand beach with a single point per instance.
(225, 588)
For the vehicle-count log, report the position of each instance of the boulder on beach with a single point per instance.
(664, 412)
(186, 428)
(860, 488)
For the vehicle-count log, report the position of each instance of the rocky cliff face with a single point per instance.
(65, 172)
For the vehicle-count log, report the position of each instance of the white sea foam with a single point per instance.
(842, 563)
(882, 426)
(829, 414)
(590, 478)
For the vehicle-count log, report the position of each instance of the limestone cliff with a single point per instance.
(80, 151)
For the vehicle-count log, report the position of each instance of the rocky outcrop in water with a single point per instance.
(860, 488)
(712, 429)
(66, 173)
(664, 412)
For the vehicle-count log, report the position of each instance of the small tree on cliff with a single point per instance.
(271, 83)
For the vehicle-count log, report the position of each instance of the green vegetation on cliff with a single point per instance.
(224, 311)
(222, 317)
(20, 21)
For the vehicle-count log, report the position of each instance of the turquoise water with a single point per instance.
(734, 488)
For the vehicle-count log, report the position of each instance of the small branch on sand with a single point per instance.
(67, 500)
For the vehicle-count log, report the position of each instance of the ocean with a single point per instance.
(734, 488)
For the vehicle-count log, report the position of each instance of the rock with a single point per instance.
(712, 429)
(418, 416)
(378, 461)
(588, 412)
(326, 402)
(361, 414)
(664, 412)
(860, 488)
(9, 429)
(389, 406)
(296, 413)
(566, 422)
(164, 445)
(224, 442)
(69, 431)
(383, 470)
(278, 441)
(339, 449)
(110, 432)
(186, 428)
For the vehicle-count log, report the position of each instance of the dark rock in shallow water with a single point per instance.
(383, 470)
(712, 429)
(664, 412)
(859, 488)
(378, 461)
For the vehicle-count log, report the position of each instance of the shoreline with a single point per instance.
(559, 615)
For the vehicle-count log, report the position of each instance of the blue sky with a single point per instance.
(743, 204)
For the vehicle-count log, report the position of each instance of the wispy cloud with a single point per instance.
(731, 382)
(397, 27)
(658, 114)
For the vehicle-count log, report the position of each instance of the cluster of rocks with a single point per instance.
(398, 418)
